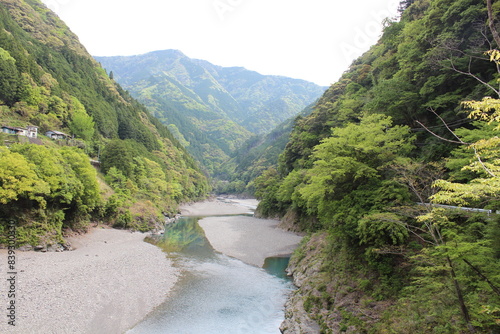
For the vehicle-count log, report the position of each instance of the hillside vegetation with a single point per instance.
(394, 133)
(47, 186)
(212, 110)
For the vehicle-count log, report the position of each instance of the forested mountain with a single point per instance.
(48, 80)
(256, 155)
(393, 132)
(211, 109)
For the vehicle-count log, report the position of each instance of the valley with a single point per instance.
(362, 183)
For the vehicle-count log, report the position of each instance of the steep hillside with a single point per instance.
(211, 109)
(393, 132)
(51, 82)
(256, 155)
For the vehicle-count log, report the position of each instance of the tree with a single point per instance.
(10, 77)
(18, 179)
(118, 154)
(351, 158)
(82, 125)
(456, 252)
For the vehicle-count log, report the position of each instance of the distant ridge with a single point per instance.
(211, 109)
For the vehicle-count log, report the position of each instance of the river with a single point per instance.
(216, 294)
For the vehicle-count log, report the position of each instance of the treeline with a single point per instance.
(50, 81)
(393, 132)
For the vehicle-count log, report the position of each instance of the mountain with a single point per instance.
(50, 82)
(258, 154)
(211, 109)
(414, 120)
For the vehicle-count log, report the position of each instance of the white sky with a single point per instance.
(315, 40)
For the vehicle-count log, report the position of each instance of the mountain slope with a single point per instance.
(50, 81)
(211, 109)
(354, 170)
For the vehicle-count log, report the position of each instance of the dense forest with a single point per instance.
(410, 129)
(49, 185)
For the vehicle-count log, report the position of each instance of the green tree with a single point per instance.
(10, 77)
(87, 197)
(82, 125)
(50, 166)
(18, 180)
(351, 158)
(117, 153)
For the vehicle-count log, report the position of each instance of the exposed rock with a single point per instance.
(302, 268)
(297, 320)
(26, 248)
(328, 300)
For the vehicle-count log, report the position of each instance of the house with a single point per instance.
(56, 134)
(30, 131)
(11, 130)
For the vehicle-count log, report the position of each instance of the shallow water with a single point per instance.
(217, 294)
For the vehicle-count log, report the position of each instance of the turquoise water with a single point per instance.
(217, 294)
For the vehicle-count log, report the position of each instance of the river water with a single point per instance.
(217, 294)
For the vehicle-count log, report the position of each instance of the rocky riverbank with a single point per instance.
(111, 281)
(329, 301)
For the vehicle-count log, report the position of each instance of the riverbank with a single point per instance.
(110, 282)
(246, 238)
(249, 239)
(219, 206)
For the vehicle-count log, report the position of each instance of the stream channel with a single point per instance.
(216, 294)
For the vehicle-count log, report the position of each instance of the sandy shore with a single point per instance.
(108, 284)
(248, 239)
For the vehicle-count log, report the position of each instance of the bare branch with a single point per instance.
(469, 73)
(481, 162)
(476, 269)
(445, 124)
(442, 138)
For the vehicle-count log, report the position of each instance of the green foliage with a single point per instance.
(10, 77)
(118, 154)
(266, 187)
(381, 229)
(81, 124)
(49, 80)
(18, 180)
(50, 189)
(352, 157)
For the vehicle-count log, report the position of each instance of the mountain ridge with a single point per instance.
(212, 109)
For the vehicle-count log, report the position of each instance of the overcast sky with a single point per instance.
(315, 40)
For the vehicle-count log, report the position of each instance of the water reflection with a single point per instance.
(185, 236)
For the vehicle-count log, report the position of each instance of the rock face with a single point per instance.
(303, 266)
(297, 321)
(331, 295)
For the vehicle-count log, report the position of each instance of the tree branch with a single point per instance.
(446, 125)
(493, 286)
(469, 73)
(438, 136)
